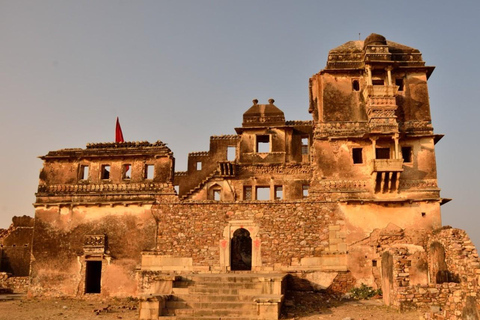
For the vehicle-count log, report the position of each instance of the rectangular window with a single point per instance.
(231, 153)
(216, 195)
(305, 191)
(262, 193)
(84, 172)
(247, 193)
(127, 171)
(278, 192)
(198, 165)
(382, 153)
(304, 145)
(399, 84)
(378, 82)
(407, 154)
(357, 155)
(177, 189)
(105, 172)
(263, 143)
(149, 171)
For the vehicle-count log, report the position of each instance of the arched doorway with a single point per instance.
(241, 250)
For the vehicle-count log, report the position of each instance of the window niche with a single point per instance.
(126, 171)
(355, 85)
(105, 172)
(231, 153)
(357, 155)
(84, 172)
(198, 165)
(305, 146)
(305, 188)
(278, 192)
(399, 83)
(407, 154)
(149, 171)
(262, 193)
(247, 193)
(263, 143)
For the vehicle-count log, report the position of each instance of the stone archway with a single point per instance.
(241, 250)
(244, 232)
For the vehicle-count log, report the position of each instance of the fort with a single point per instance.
(347, 198)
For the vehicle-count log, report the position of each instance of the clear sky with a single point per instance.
(180, 71)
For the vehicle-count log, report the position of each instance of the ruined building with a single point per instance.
(346, 198)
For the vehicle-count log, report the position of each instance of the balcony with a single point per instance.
(387, 165)
(380, 91)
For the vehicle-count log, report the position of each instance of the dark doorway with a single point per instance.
(241, 250)
(93, 276)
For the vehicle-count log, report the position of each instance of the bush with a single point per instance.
(364, 292)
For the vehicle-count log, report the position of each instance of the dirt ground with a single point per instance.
(301, 306)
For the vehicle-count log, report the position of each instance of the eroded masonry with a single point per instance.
(346, 198)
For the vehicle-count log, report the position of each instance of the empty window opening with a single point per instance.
(241, 250)
(127, 171)
(198, 165)
(247, 193)
(262, 193)
(378, 82)
(424, 214)
(399, 84)
(105, 172)
(177, 189)
(407, 154)
(149, 171)
(305, 146)
(382, 153)
(263, 143)
(355, 85)
(278, 192)
(217, 194)
(93, 276)
(305, 191)
(84, 172)
(231, 153)
(374, 263)
(357, 155)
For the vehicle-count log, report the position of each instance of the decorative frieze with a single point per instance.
(276, 169)
(103, 187)
(418, 184)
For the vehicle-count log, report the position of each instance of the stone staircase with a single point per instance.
(222, 296)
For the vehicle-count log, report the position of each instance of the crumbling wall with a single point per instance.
(60, 252)
(16, 245)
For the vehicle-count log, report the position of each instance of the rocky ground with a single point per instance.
(306, 306)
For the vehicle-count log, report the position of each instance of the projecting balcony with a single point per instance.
(227, 169)
(387, 165)
(380, 91)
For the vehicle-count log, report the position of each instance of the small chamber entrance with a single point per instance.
(241, 250)
(93, 276)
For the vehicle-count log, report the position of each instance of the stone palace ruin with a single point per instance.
(346, 198)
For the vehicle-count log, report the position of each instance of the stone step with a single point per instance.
(210, 318)
(190, 298)
(218, 313)
(209, 305)
(229, 285)
(223, 291)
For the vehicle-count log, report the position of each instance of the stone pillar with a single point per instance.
(396, 154)
(369, 74)
(389, 75)
(374, 146)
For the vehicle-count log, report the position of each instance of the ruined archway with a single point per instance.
(241, 250)
(438, 267)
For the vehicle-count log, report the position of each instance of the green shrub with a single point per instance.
(364, 292)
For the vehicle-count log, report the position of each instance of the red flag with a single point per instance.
(118, 132)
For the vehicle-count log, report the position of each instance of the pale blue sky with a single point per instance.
(180, 71)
